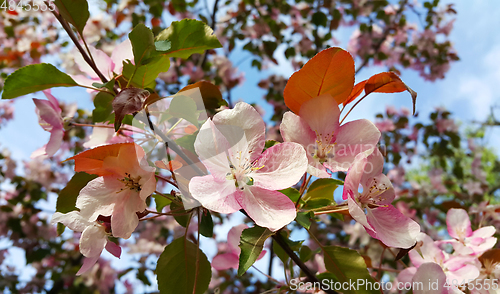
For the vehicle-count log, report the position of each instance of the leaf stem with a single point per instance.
(303, 189)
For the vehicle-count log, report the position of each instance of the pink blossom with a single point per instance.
(328, 145)
(230, 146)
(121, 192)
(106, 65)
(49, 117)
(231, 258)
(376, 199)
(195, 73)
(386, 125)
(466, 241)
(457, 268)
(6, 111)
(93, 239)
(436, 178)
(444, 125)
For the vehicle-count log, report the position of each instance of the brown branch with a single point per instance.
(73, 38)
(310, 275)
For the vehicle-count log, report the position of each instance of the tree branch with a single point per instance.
(73, 38)
(310, 275)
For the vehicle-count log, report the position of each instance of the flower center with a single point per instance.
(131, 183)
(240, 173)
(324, 147)
(371, 197)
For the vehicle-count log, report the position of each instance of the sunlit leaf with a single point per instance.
(187, 37)
(347, 265)
(91, 161)
(34, 78)
(76, 12)
(388, 82)
(329, 72)
(251, 244)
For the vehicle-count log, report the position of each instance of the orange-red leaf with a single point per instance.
(356, 91)
(91, 161)
(329, 72)
(388, 82)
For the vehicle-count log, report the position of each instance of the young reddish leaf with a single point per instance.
(329, 72)
(356, 91)
(388, 82)
(128, 101)
(91, 161)
(212, 97)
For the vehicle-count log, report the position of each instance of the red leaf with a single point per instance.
(388, 82)
(329, 72)
(91, 161)
(356, 91)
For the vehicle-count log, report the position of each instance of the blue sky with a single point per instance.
(470, 87)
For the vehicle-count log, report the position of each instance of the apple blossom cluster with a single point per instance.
(456, 271)
(108, 205)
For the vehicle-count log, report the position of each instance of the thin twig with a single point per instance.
(268, 276)
(167, 180)
(73, 38)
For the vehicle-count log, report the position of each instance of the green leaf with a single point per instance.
(143, 44)
(181, 219)
(183, 269)
(103, 107)
(322, 189)
(207, 224)
(76, 12)
(269, 144)
(292, 193)
(109, 85)
(144, 76)
(163, 45)
(187, 142)
(66, 200)
(319, 19)
(282, 255)
(304, 219)
(306, 253)
(251, 244)
(346, 264)
(34, 78)
(184, 107)
(161, 202)
(187, 37)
